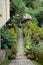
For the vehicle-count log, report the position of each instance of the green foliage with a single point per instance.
(39, 47)
(6, 61)
(14, 48)
(25, 31)
(28, 48)
(28, 44)
(36, 63)
(32, 33)
(9, 36)
(13, 52)
(32, 38)
(35, 32)
(39, 55)
(32, 3)
(36, 3)
(12, 34)
(30, 57)
(32, 7)
(20, 6)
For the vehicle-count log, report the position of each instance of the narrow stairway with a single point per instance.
(21, 59)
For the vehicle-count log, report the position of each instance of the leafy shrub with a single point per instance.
(39, 55)
(9, 36)
(14, 49)
(30, 57)
(32, 30)
(28, 44)
(25, 32)
(12, 56)
(13, 52)
(33, 35)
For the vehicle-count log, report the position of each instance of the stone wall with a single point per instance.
(2, 55)
(0, 39)
(4, 12)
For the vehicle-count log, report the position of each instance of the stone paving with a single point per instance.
(21, 59)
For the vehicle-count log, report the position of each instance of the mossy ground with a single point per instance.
(35, 62)
(6, 61)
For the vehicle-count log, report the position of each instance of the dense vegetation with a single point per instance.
(33, 7)
(9, 36)
(32, 30)
(33, 38)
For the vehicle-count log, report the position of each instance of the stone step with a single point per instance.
(21, 62)
(21, 57)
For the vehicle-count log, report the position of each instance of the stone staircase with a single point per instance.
(21, 59)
